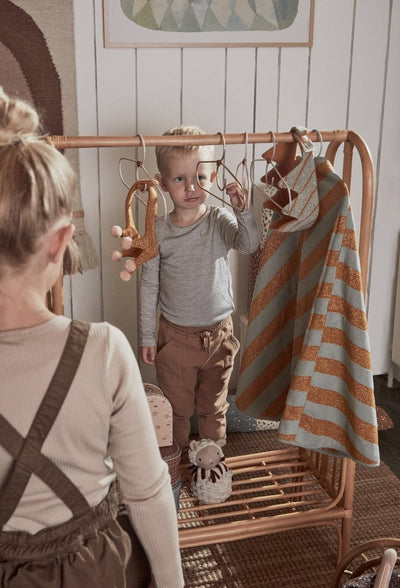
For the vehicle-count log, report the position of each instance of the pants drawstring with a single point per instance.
(205, 336)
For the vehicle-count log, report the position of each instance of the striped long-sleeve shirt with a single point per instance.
(306, 358)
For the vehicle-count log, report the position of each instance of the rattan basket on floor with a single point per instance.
(172, 455)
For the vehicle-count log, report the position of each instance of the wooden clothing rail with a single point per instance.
(280, 489)
(62, 142)
(335, 138)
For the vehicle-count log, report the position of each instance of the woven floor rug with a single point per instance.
(304, 558)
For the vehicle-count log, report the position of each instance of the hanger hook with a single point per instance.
(273, 146)
(245, 182)
(246, 144)
(140, 162)
(300, 135)
(320, 141)
(267, 161)
(223, 142)
(220, 161)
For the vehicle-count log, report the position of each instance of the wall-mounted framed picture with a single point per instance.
(208, 23)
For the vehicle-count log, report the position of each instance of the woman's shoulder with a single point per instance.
(106, 330)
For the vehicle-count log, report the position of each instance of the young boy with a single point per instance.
(191, 281)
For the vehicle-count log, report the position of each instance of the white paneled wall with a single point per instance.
(349, 78)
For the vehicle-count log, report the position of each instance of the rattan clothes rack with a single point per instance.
(276, 489)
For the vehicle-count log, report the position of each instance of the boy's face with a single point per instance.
(179, 180)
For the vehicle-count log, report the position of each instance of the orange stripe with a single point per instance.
(274, 285)
(316, 256)
(363, 429)
(308, 353)
(268, 334)
(317, 322)
(272, 244)
(265, 379)
(334, 431)
(331, 398)
(349, 275)
(357, 354)
(324, 290)
(355, 316)
(336, 368)
(353, 452)
(350, 239)
(326, 204)
(304, 305)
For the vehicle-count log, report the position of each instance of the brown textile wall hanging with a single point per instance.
(37, 63)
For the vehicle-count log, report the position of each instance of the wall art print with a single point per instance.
(208, 23)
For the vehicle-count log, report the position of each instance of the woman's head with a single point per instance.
(37, 182)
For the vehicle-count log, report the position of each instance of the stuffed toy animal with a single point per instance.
(140, 249)
(211, 479)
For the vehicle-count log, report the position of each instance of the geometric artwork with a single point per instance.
(211, 15)
(212, 23)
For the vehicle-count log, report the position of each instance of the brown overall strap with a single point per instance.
(26, 451)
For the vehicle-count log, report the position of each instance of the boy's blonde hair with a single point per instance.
(37, 183)
(165, 152)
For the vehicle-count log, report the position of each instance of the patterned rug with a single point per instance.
(304, 558)
(37, 63)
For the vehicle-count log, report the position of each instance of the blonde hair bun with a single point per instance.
(18, 119)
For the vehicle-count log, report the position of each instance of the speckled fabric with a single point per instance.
(306, 358)
(368, 580)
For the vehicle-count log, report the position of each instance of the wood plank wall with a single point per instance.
(349, 78)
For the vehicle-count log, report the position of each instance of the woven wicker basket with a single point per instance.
(172, 455)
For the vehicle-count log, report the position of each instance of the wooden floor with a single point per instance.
(389, 440)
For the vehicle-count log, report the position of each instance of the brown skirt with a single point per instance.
(89, 551)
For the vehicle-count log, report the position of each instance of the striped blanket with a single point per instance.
(306, 358)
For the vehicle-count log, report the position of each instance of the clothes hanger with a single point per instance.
(277, 197)
(300, 135)
(140, 166)
(139, 248)
(321, 142)
(283, 154)
(219, 163)
(243, 167)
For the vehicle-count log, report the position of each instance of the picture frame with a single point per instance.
(121, 31)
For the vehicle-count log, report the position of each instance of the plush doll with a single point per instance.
(211, 479)
(140, 249)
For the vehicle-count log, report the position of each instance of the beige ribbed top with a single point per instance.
(105, 415)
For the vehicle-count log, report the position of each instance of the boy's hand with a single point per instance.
(148, 355)
(236, 195)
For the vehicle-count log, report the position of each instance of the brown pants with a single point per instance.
(90, 551)
(194, 365)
